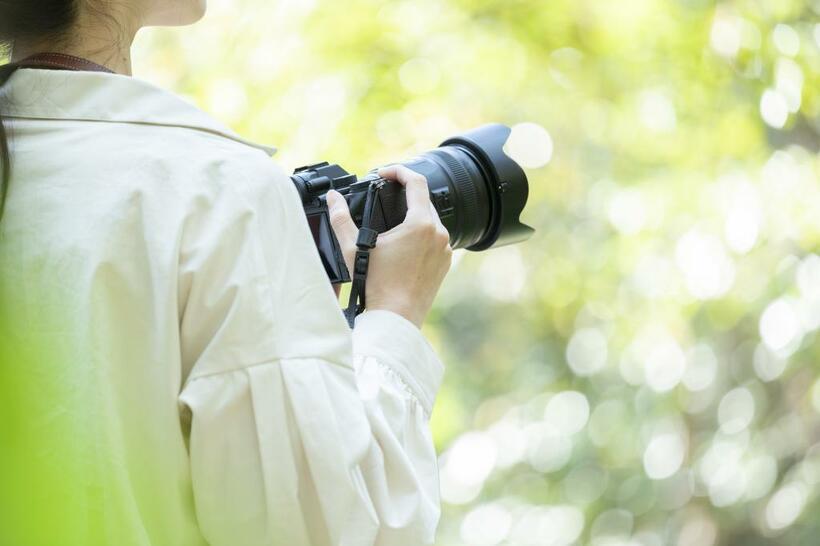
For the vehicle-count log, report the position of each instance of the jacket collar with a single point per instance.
(97, 96)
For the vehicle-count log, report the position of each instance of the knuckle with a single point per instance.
(337, 220)
(425, 228)
(338, 215)
(409, 175)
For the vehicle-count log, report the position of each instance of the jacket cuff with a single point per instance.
(398, 344)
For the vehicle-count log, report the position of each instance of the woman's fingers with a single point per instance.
(343, 225)
(415, 184)
(434, 214)
(410, 261)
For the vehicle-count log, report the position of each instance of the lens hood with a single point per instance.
(508, 185)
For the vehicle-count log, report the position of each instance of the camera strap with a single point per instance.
(365, 242)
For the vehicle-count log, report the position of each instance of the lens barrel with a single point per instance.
(479, 191)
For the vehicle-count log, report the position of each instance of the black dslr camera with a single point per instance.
(477, 190)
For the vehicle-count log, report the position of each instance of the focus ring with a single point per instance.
(466, 191)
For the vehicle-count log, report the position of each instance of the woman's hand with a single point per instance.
(409, 261)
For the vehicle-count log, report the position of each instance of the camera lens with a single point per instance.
(476, 188)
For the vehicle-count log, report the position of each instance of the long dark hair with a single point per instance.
(26, 20)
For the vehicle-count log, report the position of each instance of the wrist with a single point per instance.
(405, 310)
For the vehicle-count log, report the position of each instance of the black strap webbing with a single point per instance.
(365, 242)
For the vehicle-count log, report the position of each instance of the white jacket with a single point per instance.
(213, 391)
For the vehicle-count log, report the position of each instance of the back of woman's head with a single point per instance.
(27, 20)
(34, 18)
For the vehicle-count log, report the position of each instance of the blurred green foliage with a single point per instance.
(644, 371)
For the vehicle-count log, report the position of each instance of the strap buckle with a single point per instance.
(360, 264)
(367, 238)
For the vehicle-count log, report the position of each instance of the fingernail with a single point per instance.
(331, 198)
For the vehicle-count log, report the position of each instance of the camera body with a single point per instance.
(314, 181)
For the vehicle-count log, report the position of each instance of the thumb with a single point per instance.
(346, 231)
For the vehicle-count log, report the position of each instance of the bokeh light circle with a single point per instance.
(530, 145)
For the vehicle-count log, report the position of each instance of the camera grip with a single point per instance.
(391, 207)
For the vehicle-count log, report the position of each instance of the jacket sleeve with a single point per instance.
(299, 431)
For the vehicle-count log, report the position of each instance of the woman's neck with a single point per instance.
(101, 42)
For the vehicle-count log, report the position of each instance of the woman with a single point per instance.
(174, 365)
